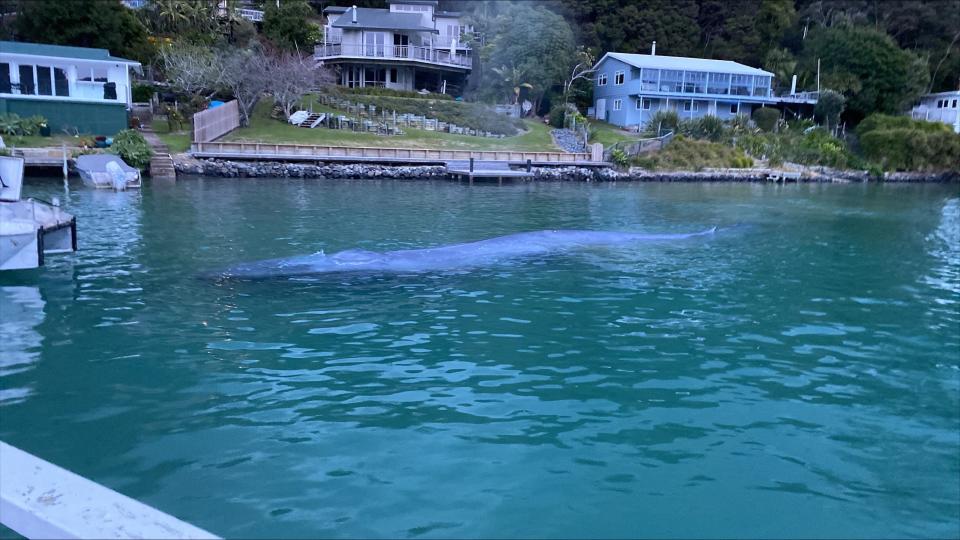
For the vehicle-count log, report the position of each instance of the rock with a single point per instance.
(567, 140)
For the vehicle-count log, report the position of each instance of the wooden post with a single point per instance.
(471, 168)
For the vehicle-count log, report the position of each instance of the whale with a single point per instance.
(448, 257)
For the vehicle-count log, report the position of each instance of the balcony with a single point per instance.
(411, 53)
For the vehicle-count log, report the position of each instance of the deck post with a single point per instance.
(471, 166)
(529, 165)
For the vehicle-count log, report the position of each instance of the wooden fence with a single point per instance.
(216, 122)
(307, 152)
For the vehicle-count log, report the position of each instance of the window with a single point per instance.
(649, 79)
(740, 85)
(5, 86)
(44, 81)
(718, 83)
(644, 104)
(954, 104)
(602, 79)
(691, 106)
(618, 77)
(617, 104)
(26, 80)
(671, 80)
(634, 73)
(695, 82)
(734, 108)
(60, 85)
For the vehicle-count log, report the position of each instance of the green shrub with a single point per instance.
(12, 124)
(133, 148)
(691, 155)
(619, 158)
(708, 127)
(912, 149)
(766, 119)
(557, 116)
(663, 121)
(883, 121)
(142, 93)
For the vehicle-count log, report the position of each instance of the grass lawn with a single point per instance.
(265, 129)
(177, 141)
(36, 141)
(609, 134)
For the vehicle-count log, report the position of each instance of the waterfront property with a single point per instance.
(410, 46)
(940, 107)
(630, 88)
(74, 88)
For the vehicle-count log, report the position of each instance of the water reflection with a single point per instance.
(21, 312)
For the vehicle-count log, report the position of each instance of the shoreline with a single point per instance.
(281, 169)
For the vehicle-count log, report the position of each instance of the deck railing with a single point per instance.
(308, 152)
(393, 52)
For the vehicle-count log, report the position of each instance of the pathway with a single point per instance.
(161, 165)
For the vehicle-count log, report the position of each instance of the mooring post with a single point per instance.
(471, 165)
(529, 165)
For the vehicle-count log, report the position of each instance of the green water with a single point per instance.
(795, 377)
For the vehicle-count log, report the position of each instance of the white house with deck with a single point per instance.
(412, 45)
(940, 107)
(630, 88)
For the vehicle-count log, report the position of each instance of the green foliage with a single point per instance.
(142, 93)
(288, 27)
(132, 147)
(532, 41)
(783, 65)
(707, 127)
(817, 147)
(471, 115)
(12, 124)
(692, 155)
(107, 25)
(663, 121)
(766, 118)
(867, 67)
(747, 32)
(389, 92)
(619, 158)
(557, 115)
(901, 143)
(829, 107)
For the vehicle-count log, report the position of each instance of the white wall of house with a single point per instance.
(41, 73)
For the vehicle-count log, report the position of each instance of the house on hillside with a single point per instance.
(409, 46)
(630, 88)
(940, 107)
(72, 87)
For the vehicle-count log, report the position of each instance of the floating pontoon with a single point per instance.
(30, 229)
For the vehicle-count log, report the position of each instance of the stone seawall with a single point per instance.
(256, 169)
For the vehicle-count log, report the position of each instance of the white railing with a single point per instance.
(393, 52)
(254, 15)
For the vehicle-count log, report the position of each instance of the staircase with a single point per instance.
(161, 167)
(312, 120)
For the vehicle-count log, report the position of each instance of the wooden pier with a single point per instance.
(471, 170)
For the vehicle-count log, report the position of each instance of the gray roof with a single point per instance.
(685, 63)
(447, 13)
(381, 19)
(335, 9)
(429, 2)
(61, 51)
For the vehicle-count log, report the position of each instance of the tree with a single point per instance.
(633, 25)
(867, 67)
(288, 27)
(829, 107)
(245, 74)
(192, 69)
(291, 77)
(745, 34)
(535, 42)
(104, 24)
(783, 65)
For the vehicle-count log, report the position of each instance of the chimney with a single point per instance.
(354, 14)
(653, 50)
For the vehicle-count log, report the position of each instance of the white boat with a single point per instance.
(107, 171)
(29, 229)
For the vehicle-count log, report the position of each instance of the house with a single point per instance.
(72, 87)
(630, 88)
(409, 46)
(940, 107)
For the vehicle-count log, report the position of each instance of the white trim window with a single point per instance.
(691, 107)
(618, 77)
(617, 104)
(734, 108)
(602, 79)
(643, 104)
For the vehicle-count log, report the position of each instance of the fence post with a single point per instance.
(596, 153)
(471, 164)
(529, 165)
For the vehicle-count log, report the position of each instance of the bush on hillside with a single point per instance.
(766, 118)
(885, 121)
(709, 127)
(663, 121)
(142, 93)
(686, 154)
(133, 148)
(912, 149)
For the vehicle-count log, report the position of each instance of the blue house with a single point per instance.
(630, 88)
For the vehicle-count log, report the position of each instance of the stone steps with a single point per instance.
(161, 166)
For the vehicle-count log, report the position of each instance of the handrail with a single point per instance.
(394, 52)
(321, 152)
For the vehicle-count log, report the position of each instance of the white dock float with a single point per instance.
(40, 500)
